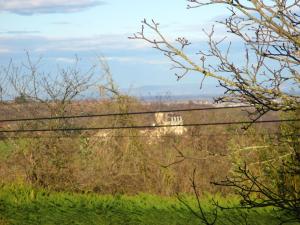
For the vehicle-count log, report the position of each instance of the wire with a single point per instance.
(121, 114)
(129, 136)
(147, 126)
(146, 136)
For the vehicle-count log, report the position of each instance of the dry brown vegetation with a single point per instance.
(126, 161)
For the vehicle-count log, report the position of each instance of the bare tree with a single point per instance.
(268, 79)
(46, 161)
(270, 33)
(3, 85)
(61, 88)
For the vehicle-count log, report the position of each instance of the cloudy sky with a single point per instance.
(57, 30)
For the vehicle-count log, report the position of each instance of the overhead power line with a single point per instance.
(67, 136)
(147, 126)
(120, 114)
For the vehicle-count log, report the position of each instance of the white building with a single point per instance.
(173, 124)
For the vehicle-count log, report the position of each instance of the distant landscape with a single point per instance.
(135, 112)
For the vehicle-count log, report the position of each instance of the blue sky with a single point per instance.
(58, 30)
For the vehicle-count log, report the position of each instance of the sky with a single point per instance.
(60, 30)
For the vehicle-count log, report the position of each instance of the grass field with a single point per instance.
(26, 206)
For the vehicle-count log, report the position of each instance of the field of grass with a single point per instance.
(26, 206)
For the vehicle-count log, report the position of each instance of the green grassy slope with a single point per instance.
(26, 206)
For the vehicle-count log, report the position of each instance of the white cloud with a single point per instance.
(20, 32)
(40, 44)
(102, 42)
(29, 7)
(4, 50)
(138, 60)
(61, 23)
(120, 59)
(65, 59)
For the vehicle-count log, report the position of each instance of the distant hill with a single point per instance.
(175, 92)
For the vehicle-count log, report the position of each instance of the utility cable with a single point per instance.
(120, 114)
(146, 126)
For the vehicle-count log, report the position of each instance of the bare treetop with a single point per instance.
(267, 76)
